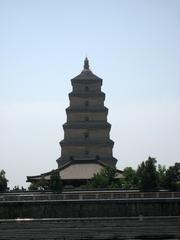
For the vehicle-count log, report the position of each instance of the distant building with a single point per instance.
(86, 147)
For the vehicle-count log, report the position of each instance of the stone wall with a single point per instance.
(89, 208)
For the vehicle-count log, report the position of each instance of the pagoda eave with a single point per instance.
(85, 110)
(87, 143)
(86, 126)
(87, 95)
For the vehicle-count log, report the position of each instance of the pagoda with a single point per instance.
(86, 147)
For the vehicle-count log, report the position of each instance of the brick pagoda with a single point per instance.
(86, 147)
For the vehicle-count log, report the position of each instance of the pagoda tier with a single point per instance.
(86, 132)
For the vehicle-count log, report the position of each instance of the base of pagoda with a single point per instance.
(75, 173)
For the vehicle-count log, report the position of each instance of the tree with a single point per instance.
(55, 183)
(172, 178)
(52, 184)
(41, 184)
(16, 188)
(147, 175)
(104, 179)
(33, 186)
(161, 174)
(129, 180)
(3, 181)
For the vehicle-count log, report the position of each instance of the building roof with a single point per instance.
(78, 164)
(75, 170)
(86, 73)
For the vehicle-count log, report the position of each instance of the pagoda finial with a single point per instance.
(86, 64)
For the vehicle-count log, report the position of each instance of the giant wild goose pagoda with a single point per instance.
(86, 147)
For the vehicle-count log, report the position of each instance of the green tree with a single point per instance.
(16, 188)
(41, 184)
(55, 183)
(52, 184)
(104, 179)
(129, 180)
(33, 186)
(147, 175)
(3, 181)
(172, 178)
(161, 174)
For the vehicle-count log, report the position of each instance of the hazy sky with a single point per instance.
(134, 45)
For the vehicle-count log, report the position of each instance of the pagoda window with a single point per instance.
(86, 103)
(86, 88)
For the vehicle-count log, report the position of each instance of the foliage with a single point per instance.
(18, 189)
(3, 181)
(129, 180)
(33, 186)
(147, 175)
(41, 184)
(104, 179)
(161, 174)
(53, 184)
(172, 178)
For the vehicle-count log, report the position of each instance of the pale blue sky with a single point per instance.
(132, 44)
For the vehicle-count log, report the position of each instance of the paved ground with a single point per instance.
(91, 228)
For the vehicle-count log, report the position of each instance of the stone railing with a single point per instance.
(87, 195)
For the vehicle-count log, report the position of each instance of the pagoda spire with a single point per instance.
(86, 64)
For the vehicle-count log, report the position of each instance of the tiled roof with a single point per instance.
(86, 75)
